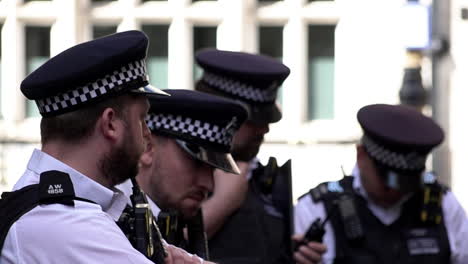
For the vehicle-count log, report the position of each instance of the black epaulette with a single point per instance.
(54, 187)
(430, 178)
(324, 189)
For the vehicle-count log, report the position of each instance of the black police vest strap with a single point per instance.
(431, 207)
(172, 224)
(276, 181)
(330, 190)
(265, 176)
(53, 187)
(197, 238)
(340, 197)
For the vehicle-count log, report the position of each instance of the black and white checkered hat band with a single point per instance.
(110, 83)
(240, 89)
(409, 161)
(192, 127)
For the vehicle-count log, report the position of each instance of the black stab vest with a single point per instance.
(406, 241)
(250, 235)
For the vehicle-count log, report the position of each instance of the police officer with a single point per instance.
(92, 98)
(244, 219)
(390, 210)
(191, 134)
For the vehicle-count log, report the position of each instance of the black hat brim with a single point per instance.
(264, 114)
(220, 160)
(149, 90)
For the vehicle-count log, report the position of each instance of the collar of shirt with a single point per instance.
(111, 201)
(253, 164)
(386, 215)
(154, 208)
(126, 188)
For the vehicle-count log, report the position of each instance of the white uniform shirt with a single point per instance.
(56, 233)
(306, 211)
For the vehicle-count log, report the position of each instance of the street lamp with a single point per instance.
(412, 92)
(416, 36)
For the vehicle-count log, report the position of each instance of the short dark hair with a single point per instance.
(77, 125)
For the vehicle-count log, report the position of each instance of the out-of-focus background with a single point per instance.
(343, 54)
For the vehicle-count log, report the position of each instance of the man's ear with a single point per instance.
(146, 159)
(109, 124)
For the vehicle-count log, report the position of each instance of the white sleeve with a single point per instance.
(54, 235)
(305, 212)
(456, 224)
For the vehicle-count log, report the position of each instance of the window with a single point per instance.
(203, 37)
(157, 54)
(321, 72)
(101, 31)
(271, 44)
(37, 52)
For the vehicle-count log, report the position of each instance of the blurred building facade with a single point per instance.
(341, 55)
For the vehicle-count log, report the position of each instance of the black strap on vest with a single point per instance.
(348, 215)
(431, 207)
(171, 224)
(197, 238)
(54, 187)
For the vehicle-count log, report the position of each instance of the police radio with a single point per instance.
(143, 239)
(314, 233)
(138, 225)
(350, 218)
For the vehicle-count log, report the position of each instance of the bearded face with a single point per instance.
(176, 180)
(247, 140)
(121, 163)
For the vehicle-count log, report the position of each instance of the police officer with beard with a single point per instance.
(191, 135)
(93, 102)
(390, 210)
(247, 217)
